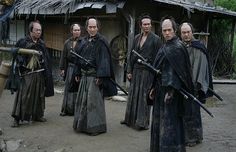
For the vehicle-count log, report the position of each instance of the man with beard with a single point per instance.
(94, 77)
(167, 133)
(202, 80)
(66, 67)
(146, 44)
(35, 78)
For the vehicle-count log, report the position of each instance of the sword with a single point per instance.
(186, 94)
(36, 71)
(189, 96)
(139, 55)
(87, 61)
(215, 94)
(149, 66)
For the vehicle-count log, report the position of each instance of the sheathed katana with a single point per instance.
(215, 94)
(189, 96)
(143, 61)
(31, 72)
(186, 94)
(140, 56)
(149, 66)
(90, 64)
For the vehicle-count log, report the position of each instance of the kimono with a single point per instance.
(90, 116)
(138, 111)
(67, 62)
(167, 132)
(36, 81)
(202, 81)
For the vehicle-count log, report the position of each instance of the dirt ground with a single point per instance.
(57, 135)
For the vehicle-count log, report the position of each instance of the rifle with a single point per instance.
(93, 66)
(186, 94)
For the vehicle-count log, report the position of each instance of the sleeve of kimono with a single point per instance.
(21, 59)
(158, 44)
(62, 63)
(49, 85)
(103, 61)
(157, 64)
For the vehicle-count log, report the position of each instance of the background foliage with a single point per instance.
(229, 4)
(222, 58)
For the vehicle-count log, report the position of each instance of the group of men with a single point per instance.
(178, 65)
(86, 63)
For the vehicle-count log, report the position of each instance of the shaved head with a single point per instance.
(168, 31)
(186, 32)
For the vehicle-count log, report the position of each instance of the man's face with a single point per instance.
(92, 27)
(76, 31)
(186, 33)
(167, 30)
(36, 31)
(146, 25)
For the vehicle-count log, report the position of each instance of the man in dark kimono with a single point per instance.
(202, 80)
(94, 77)
(66, 67)
(146, 44)
(35, 78)
(167, 133)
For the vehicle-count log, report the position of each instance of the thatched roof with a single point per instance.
(65, 6)
(5, 11)
(111, 6)
(203, 7)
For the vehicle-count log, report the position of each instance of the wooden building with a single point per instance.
(118, 19)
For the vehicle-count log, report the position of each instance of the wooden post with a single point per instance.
(207, 31)
(232, 37)
(130, 18)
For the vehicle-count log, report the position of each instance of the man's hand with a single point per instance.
(129, 76)
(169, 96)
(62, 73)
(152, 94)
(98, 81)
(77, 79)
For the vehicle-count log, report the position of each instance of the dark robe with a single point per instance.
(202, 81)
(167, 133)
(138, 111)
(67, 64)
(30, 98)
(90, 114)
